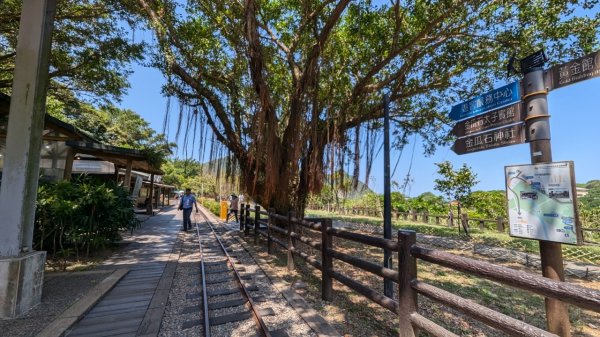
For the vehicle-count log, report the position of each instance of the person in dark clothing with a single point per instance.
(186, 203)
(234, 202)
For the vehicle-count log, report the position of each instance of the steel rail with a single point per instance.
(203, 275)
(264, 331)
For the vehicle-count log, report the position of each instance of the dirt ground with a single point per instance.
(355, 315)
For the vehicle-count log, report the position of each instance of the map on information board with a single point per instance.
(541, 202)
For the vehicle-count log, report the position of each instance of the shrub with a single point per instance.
(211, 205)
(80, 216)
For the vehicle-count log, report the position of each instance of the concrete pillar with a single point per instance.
(149, 207)
(21, 270)
(127, 181)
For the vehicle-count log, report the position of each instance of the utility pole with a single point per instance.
(537, 123)
(388, 285)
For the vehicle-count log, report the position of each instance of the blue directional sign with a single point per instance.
(496, 98)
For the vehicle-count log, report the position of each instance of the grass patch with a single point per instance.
(353, 314)
(590, 254)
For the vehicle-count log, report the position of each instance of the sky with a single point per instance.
(574, 123)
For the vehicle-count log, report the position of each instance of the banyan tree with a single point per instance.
(287, 86)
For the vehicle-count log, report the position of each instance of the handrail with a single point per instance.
(365, 239)
(567, 292)
(374, 268)
(497, 320)
(406, 278)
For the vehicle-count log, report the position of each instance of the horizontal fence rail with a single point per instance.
(451, 220)
(288, 232)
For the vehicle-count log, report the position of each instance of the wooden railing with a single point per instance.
(450, 220)
(499, 224)
(289, 234)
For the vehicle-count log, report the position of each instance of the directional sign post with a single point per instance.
(496, 98)
(505, 136)
(578, 70)
(490, 120)
(480, 129)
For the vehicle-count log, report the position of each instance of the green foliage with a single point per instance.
(212, 205)
(428, 202)
(486, 204)
(399, 202)
(90, 48)
(589, 210)
(186, 173)
(304, 73)
(368, 200)
(592, 199)
(79, 217)
(455, 184)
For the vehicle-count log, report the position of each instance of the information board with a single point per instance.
(541, 202)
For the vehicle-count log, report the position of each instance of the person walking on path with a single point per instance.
(186, 203)
(233, 207)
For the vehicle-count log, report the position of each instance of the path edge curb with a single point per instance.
(77, 310)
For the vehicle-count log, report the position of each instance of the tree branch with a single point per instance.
(428, 28)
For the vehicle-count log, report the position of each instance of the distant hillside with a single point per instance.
(361, 190)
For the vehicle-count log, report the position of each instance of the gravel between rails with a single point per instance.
(286, 317)
(187, 282)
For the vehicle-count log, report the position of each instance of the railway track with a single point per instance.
(218, 289)
(217, 270)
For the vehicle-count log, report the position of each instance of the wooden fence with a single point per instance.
(289, 234)
(591, 235)
(450, 220)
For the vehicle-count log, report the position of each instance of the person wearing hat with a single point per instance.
(234, 202)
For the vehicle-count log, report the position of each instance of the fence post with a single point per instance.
(500, 224)
(242, 217)
(256, 224)
(450, 219)
(290, 255)
(269, 224)
(437, 219)
(413, 215)
(247, 220)
(405, 216)
(426, 217)
(465, 221)
(407, 270)
(481, 225)
(326, 261)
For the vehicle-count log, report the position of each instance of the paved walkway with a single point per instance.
(136, 304)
